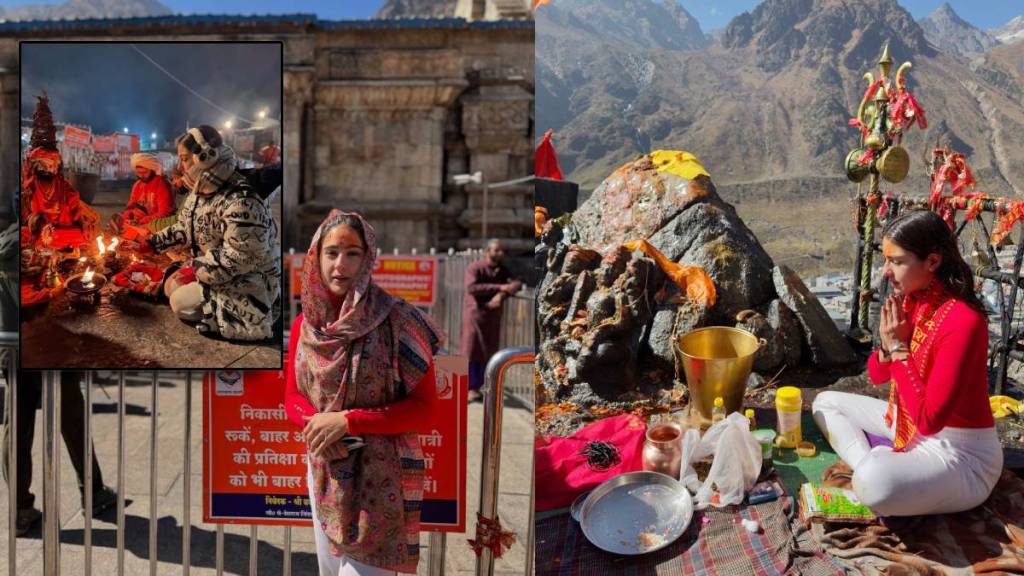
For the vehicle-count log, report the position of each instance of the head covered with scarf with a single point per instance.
(213, 161)
(40, 162)
(369, 350)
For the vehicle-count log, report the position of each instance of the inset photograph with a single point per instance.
(150, 205)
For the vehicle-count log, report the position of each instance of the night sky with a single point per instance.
(111, 86)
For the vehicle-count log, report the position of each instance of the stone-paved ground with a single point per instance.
(513, 501)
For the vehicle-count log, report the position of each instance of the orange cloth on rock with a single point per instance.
(692, 280)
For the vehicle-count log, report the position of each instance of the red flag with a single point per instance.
(545, 160)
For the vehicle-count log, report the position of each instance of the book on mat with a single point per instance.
(821, 503)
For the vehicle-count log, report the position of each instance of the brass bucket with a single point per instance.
(717, 361)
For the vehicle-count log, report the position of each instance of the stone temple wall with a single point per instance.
(378, 116)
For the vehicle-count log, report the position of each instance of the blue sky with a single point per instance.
(981, 13)
(331, 9)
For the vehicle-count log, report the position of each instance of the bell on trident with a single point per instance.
(856, 170)
(894, 164)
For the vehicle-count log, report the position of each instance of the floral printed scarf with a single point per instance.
(370, 352)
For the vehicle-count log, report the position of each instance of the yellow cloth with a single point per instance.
(1003, 406)
(678, 162)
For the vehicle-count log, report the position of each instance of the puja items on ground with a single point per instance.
(140, 278)
(40, 279)
(107, 253)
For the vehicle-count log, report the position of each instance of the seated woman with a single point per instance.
(360, 363)
(151, 197)
(945, 454)
(232, 284)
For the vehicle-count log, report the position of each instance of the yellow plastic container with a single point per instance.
(787, 408)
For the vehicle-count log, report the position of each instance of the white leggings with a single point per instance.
(331, 565)
(950, 471)
(186, 300)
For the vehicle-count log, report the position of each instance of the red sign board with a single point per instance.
(104, 143)
(293, 263)
(76, 137)
(255, 462)
(254, 459)
(411, 278)
(444, 449)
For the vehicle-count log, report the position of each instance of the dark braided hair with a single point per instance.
(923, 232)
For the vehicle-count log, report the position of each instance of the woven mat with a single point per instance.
(988, 539)
(715, 543)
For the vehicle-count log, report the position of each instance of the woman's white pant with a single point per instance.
(331, 565)
(951, 471)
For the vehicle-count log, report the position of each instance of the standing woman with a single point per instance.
(360, 363)
(946, 456)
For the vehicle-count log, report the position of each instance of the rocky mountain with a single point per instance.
(765, 109)
(87, 9)
(417, 9)
(607, 46)
(637, 23)
(946, 30)
(1012, 31)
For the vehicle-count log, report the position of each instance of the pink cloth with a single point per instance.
(955, 387)
(562, 473)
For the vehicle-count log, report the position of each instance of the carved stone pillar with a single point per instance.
(298, 95)
(379, 141)
(497, 130)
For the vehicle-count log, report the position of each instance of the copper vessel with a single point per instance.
(662, 450)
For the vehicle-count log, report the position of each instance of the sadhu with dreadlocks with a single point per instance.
(49, 202)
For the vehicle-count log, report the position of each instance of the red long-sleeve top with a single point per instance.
(410, 414)
(954, 388)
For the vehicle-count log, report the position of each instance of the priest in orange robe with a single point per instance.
(151, 196)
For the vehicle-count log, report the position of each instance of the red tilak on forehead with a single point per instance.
(343, 236)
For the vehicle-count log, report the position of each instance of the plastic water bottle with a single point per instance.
(718, 412)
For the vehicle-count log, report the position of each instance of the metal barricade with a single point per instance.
(51, 426)
(494, 387)
(496, 383)
(517, 329)
(9, 345)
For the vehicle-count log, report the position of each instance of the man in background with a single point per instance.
(488, 284)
